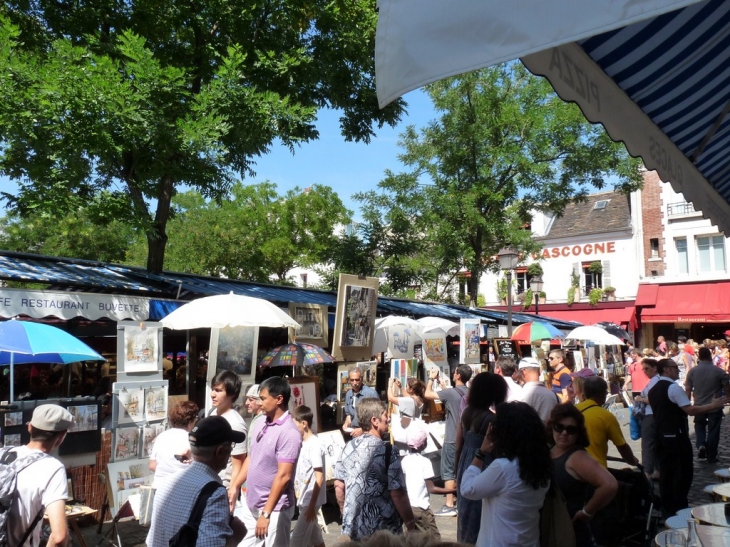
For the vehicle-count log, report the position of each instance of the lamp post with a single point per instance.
(536, 285)
(508, 258)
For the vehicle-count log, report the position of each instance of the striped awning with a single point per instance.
(655, 73)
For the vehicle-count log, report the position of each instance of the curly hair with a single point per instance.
(183, 414)
(568, 410)
(518, 432)
(487, 390)
(417, 387)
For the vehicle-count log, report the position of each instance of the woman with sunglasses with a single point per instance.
(587, 486)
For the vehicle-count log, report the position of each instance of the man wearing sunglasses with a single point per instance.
(671, 406)
(561, 374)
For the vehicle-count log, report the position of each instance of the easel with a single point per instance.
(124, 511)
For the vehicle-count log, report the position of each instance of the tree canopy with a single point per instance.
(124, 103)
(504, 145)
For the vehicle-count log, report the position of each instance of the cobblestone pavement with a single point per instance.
(133, 535)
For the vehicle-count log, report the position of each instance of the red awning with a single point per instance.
(620, 316)
(685, 302)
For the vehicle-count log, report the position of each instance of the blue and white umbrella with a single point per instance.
(24, 342)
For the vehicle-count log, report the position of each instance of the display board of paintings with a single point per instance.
(139, 416)
(124, 479)
(357, 301)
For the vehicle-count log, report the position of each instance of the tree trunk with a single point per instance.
(473, 285)
(157, 235)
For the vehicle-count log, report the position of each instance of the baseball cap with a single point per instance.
(253, 392)
(529, 362)
(214, 430)
(416, 436)
(727, 333)
(582, 373)
(52, 418)
(689, 348)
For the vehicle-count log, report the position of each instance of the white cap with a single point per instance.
(529, 362)
(253, 392)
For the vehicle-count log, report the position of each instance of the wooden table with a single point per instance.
(73, 514)
(713, 514)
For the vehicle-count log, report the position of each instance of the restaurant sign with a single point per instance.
(67, 305)
(587, 249)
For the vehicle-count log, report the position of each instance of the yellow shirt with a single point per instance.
(602, 426)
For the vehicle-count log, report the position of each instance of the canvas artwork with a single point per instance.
(126, 443)
(401, 340)
(131, 406)
(359, 307)
(13, 439)
(435, 350)
(313, 321)
(333, 443)
(13, 418)
(155, 407)
(369, 372)
(151, 432)
(469, 341)
(402, 369)
(141, 349)
(86, 417)
(236, 350)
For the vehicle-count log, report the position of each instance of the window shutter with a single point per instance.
(606, 273)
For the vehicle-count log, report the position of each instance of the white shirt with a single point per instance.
(237, 424)
(540, 398)
(510, 507)
(514, 390)
(645, 393)
(311, 457)
(167, 444)
(39, 485)
(418, 469)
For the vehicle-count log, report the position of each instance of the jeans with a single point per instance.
(707, 430)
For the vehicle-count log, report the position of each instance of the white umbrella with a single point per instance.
(594, 334)
(438, 325)
(228, 310)
(386, 329)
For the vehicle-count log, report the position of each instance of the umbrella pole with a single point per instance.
(12, 377)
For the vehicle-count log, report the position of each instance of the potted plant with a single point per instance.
(534, 269)
(543, 297)
(571, 295)
(596, 267)
(574, 289)
(502, 290)
(610, 293)
(529, 299)
(595, 296)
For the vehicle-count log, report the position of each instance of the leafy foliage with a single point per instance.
(126, 102)
(503, 146)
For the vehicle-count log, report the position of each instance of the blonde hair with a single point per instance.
(383, 538)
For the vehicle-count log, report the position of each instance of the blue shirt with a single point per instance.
(350, 401)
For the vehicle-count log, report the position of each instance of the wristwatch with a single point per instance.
(480, 455)
(266, 515)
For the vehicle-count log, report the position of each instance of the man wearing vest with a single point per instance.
(671, 406)
(451, 397)
(561, 373)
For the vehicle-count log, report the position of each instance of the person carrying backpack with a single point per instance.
(34, 482)
(454, 399)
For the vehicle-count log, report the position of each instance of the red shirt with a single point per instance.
(639, 379)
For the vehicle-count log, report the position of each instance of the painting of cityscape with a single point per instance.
(86, 417)
(126, 443)
(155, 407)
(360, 305)
(130, 406)
(151, 433)
(313, 321)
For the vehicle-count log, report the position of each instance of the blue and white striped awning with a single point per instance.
(655, 73)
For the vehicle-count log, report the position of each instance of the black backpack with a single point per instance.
(187, 535)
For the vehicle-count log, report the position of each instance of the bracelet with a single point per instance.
(586, 513)
(480, 455)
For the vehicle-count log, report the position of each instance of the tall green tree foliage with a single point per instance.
(255, 234)
(503, 145)
(131, 100)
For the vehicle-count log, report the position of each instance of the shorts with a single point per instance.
(448, 462)
(426, 522)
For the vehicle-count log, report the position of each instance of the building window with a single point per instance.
(711, 253)
(522, 280)
(680, 244)
(591, 280)
(654, 247)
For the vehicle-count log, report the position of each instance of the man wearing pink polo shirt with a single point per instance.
(275, 445)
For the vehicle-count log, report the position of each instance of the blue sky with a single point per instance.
(346, 167)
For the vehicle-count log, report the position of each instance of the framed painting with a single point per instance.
(142, 348)
(235, 349)
(357, 301)
(314, 323)
(469, 335)
(305, 391)
(333, 443)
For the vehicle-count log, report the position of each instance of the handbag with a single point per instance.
(556, 526)
(187, 535)
(634, 426)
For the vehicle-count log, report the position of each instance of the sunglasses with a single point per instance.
(569, 429)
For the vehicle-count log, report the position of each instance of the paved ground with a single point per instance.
(133, 535)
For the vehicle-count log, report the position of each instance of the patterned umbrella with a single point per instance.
(536, 330)
(295, 355)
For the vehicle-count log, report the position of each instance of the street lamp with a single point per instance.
(508, 258)
(536, 285)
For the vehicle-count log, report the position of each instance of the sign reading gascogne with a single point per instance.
(65, 305)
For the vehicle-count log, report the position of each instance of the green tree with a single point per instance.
(130, 101)
(503, 146)
(255, 234)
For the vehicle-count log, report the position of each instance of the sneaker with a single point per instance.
(701, 453)
(446, 511)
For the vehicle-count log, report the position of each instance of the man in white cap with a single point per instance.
(534, 392)
(41, 480)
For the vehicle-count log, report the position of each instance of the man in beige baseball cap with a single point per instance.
(41, 479)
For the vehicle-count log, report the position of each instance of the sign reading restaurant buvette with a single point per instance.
(67, 305)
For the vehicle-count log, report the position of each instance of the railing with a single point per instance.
(679, 209)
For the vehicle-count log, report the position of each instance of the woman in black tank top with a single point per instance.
(586, 484)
